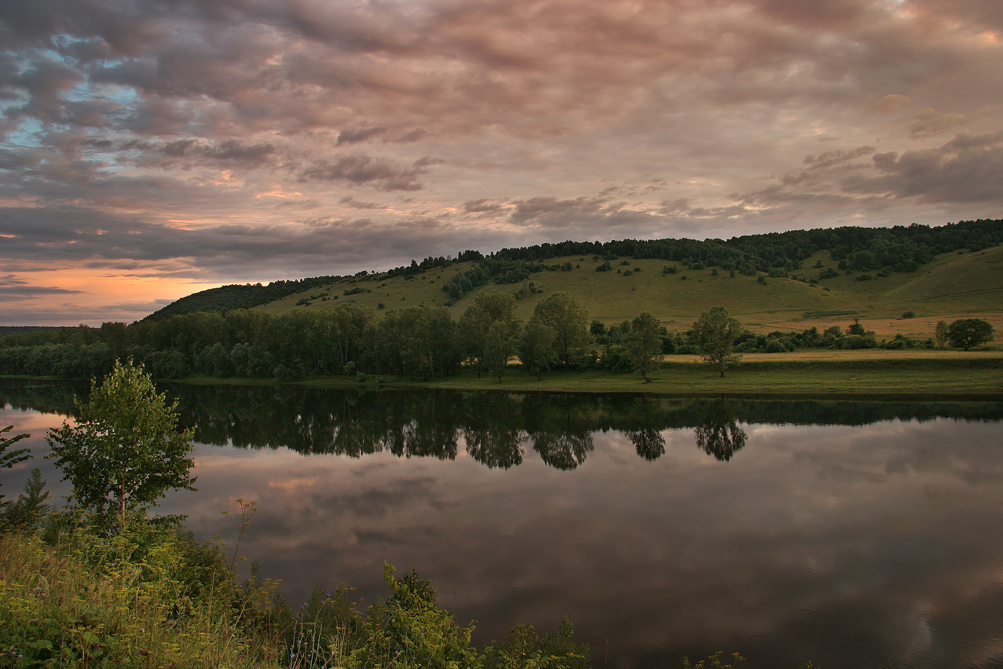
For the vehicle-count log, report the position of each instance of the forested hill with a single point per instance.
(896, 249)
(236, 296)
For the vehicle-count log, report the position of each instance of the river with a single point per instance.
(852, 534)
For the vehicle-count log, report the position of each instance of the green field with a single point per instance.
(954, 285)
(813, 374)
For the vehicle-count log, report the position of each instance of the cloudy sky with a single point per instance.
(154, 148)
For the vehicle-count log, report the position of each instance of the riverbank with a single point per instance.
(812, 374)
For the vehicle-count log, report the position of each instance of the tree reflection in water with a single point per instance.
(492, 430)
(561, 428)
(495, 426)
(719, 433)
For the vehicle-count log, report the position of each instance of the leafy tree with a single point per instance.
(644, 344)
(856, 328)
(500, 344)
(126, 451)
(715, 335)
(477, 320)
(967, 333)
(536, 349)
(567, 317)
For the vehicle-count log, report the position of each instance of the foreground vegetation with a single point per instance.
(149, 597)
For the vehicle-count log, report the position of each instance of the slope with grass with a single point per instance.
(954, 285)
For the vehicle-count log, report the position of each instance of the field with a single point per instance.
(955, 285)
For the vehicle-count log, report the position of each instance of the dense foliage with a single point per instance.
(416, 342)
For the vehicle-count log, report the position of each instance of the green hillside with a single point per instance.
(776, 281)
(952, 285)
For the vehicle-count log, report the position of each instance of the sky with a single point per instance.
(150, 149)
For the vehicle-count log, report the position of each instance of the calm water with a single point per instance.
(851, 534)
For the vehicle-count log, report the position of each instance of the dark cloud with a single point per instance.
(587, 215)
(385, 174)
(967, 169)
(230, 152)
(12, 288)
(350, 201)
(358, 135)
(482, 206)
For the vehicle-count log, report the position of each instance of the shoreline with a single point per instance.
(844, 375)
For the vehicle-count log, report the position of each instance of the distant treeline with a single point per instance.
(417, 342)
(21, 329)
(896, 249)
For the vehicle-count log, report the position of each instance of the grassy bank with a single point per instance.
(821, 374)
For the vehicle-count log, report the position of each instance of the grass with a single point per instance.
(952, 286)
(152, 598)
(810, 374)
(114, 601)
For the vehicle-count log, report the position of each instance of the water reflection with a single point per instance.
(718, 433)
(847, 533)
(494, 427)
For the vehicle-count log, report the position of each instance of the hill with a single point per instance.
(770, 282)
(950, 286)
(236, 296)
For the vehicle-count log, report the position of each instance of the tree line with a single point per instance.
(420, 342)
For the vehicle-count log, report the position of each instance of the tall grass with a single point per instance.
(147, 598)
(153, 597)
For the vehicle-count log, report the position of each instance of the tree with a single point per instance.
(477, 320)
(715, 335)
(967, 333)
(500, 344)
(126, 451)
(567, 317)
(536, 349)
(644, 344)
